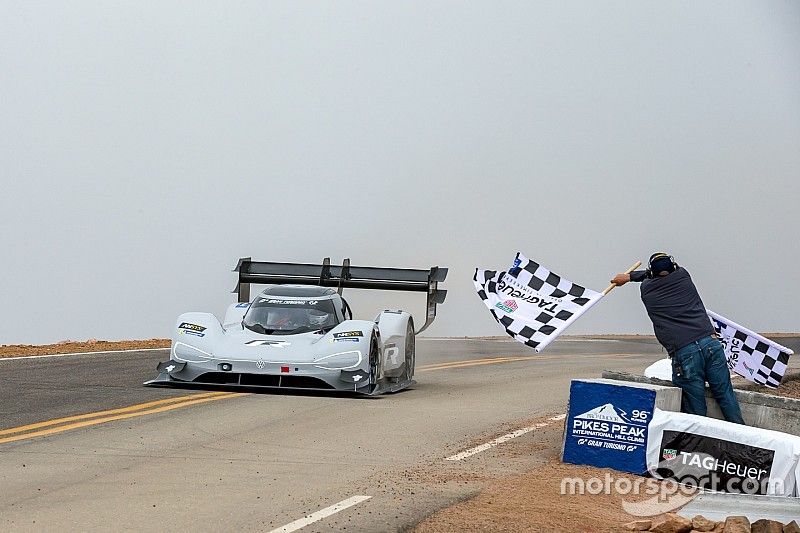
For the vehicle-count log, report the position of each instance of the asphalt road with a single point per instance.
(259, 461)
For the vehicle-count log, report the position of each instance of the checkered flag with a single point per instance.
(533, 304)
(750, 355)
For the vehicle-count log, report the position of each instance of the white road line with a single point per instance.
(500, 440)
(79, 353)
(322, 513)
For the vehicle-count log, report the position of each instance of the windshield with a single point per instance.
(276, 316)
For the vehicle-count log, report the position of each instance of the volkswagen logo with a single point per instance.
(260, 364)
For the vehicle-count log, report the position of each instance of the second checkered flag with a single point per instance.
(750, 355)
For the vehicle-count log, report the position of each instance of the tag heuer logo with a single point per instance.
(669, 454)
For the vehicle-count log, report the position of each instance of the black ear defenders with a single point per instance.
(657, 256)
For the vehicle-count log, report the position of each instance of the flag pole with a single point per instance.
(633, 267)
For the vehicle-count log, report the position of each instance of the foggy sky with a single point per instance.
(146, 146)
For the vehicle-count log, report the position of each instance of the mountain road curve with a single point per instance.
(83, 445)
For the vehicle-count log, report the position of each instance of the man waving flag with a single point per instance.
(532, 303)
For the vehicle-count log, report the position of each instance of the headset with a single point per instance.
(659, 255)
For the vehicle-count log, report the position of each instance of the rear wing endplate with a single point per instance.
(345, 276)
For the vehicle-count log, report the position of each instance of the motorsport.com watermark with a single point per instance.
(664, 495)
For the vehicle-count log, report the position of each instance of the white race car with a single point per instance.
(299, 332)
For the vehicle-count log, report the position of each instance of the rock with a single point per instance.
(672, 523)
(91, 341)
(638, 525)
(701, 523)
(736, 524)
(766, 526)
(791, 527)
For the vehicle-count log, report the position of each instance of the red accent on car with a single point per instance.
(284, 369)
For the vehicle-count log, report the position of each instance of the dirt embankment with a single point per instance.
(551, 496)
(91, 345)
(789, 387)
(533, 502)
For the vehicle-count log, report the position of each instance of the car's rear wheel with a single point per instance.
(410, 351)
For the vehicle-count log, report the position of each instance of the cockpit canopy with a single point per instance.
(279, 315)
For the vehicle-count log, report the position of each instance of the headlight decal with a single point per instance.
(189, 353)
(340, 360)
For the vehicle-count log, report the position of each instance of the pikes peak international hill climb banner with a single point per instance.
(607, 425)
(750, 355)
(533, 304)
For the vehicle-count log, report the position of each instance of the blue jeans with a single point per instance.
(694, 364)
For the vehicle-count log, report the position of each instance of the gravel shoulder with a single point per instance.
(91, 345)
(532, 500)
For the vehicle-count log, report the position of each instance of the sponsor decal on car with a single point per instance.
(243, 304)
(347, 334)
(191, 329)
(288, 302)
(392, 352)
(669, 454)
(274, 344)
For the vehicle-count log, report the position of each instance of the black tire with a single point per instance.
(411, 347)
(374, 358)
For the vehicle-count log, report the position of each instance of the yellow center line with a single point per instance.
(128, 409)
(168, 404)
(488, 361)
(498, 358)
(456, 363)
(85, 423)
(513, 358)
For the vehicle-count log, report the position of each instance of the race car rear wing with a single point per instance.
(342, 277)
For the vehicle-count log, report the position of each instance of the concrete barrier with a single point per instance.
(758, 410)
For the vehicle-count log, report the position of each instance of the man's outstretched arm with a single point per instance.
(635, 276)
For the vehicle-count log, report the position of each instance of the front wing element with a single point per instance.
(348, 381)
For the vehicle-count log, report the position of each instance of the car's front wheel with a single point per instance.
(410, 351)
(374, 358)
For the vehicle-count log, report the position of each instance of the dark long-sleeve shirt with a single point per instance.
(674, 305)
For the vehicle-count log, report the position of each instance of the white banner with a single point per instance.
(722, 456)
(533, 304)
